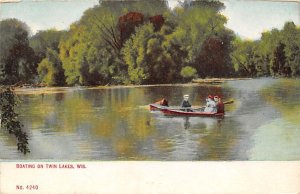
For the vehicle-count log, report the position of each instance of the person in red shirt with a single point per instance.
(163, 102)
(220, 104)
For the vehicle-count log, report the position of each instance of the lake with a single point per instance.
(114, 123)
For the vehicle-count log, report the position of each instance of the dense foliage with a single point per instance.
(9, 118)
(144, 42)
(277, 53)
(16, 56)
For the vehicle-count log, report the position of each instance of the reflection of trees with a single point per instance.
(121, 111)
(110, 114)
(113, 119)
(36, 109)
(73, 113)
(284, 96)
(218, 142)
(53, 112)
(204, 139)
(128, 123)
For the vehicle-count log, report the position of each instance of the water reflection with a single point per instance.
(115, 124)
(284, 96)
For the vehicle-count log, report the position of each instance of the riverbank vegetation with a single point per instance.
(142, 42)
(9, 118)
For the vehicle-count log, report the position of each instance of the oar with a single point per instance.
(229, 102)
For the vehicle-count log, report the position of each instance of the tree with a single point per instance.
(91, 50)
(44, 40)
(291, 39)
(188, 73)
(147, 60)
(276, 53)
(16, 57)
(88, 60)
(207, 4)
(279, 64)
(200, 39)
(50, 69)
(214, 57)
(243, 57)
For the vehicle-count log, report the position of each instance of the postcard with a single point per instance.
(159, 96)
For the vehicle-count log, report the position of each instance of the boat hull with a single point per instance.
(177, 112)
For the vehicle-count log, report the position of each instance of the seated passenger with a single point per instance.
(185, 104)
(211, 106)
(220, 104)
(164, 102)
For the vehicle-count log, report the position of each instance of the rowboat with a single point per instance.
(173, 111)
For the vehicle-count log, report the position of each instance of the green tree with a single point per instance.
(50, 69)
(44, 40)
(88, 60)
(276, 53)
(91, 50)
(188, 73)
(243, 57)
(147, 60)
(16, 57)
(199, 31)
(279, 64)
(291, 39)
(208, 4)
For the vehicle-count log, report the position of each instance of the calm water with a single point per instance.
(114, 124)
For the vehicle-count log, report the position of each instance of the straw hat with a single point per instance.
(186, 97)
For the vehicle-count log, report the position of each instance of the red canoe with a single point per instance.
(177, 112)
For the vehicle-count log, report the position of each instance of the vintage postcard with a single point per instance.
(149, 96)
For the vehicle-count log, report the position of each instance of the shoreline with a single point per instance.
(217, 80)
(64, 89)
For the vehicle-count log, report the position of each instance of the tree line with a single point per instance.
(144, 42)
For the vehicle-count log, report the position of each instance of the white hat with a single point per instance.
(186, 97)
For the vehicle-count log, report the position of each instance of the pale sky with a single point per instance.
(249, 18)
(246, 17)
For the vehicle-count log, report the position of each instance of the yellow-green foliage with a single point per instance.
(50, 69)
(147, 59)
(46, 71)
(72, 52)
(135, 51)
(188, 72)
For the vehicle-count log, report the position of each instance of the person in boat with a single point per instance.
(219, 104)
(164, 102)
(185, 104)
(211, 106)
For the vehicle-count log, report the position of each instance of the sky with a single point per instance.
(247, 18)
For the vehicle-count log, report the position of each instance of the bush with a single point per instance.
(188, 73)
